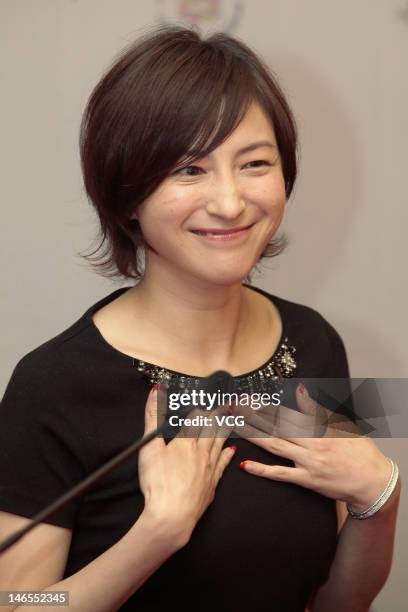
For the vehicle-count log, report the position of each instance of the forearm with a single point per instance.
(107, 582)
(362, 562)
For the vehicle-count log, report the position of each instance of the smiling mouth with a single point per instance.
(220, 232)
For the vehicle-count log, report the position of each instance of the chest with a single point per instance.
(252, 349)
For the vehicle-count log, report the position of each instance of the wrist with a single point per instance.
(387, 498)
(373, 489)
(171, 532)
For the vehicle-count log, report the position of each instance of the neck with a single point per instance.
(200, 318)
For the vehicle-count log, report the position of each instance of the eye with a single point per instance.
(259, 162)
(182, 171)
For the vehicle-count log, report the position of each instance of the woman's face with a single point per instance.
(228, 189)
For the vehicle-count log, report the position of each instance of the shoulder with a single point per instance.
(39, 384)
(45, 375)
(63, 358)
(45, 364)
(302, 319)
(37, 415)
(310, 321)
(320, 350)
(44, 408)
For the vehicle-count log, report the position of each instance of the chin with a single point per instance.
(226, 278)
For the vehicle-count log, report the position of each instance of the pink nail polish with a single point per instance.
(301, 389)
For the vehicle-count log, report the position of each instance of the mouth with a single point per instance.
(223, 236)
(221, 232)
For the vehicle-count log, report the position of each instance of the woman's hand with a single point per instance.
(178, 479)
(341, 464)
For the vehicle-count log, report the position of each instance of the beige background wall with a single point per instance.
(343, 65)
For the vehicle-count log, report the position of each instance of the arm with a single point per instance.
(359, 569)
(178, 481)
(346, 468)
(109, 580)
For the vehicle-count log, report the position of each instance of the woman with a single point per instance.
(188, 150)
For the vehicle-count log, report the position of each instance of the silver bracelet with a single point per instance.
(383, 497)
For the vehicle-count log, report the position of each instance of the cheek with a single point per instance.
(272, 197)
(154, 212)
(170, 210)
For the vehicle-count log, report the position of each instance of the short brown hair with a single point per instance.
(158, 102)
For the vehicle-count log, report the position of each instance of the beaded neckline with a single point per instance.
(281, 365)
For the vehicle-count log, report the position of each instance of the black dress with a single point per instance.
(75, 401)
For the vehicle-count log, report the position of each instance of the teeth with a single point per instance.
(226, 233)
(210, 233)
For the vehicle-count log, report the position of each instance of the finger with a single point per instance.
(294, 426)
(295, 475)
(217, 449)
(223, 433)
(264, 422)
(269, 415)
(216, 430)
(327, 423)
(306, 404)
(150, 424)
(274, 444)
(311, 415)
(161, 404)
(283, 448)
(294, 423)
(343, 430)
(209, 429)
(281, 421)
(296, 448)
(270, 411)
(191, 424)
(224, 459)
(248, 430)
(290, 430)
(216, 425)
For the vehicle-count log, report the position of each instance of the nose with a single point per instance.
(225, 197)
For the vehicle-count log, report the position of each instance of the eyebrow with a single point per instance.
(256, 145)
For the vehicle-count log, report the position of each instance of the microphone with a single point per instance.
(219, 381)
(216, 381)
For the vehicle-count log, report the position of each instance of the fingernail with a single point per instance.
(242, 465)
(233, 448)
(154, 388)
(302, 389)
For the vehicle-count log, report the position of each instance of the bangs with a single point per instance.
(194, 98)
(213, 108)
